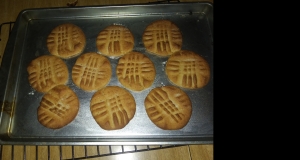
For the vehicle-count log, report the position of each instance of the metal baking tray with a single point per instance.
(19, 102)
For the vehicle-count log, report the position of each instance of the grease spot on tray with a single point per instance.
(31, 93)
(37, 53)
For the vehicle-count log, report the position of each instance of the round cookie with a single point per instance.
(66, 41)
(168, 107)
(188, 70)
(162, 38)
(135, 71)
(115, 41)
(58, 107)
(46, 72)
(112, 107)
(91, 71)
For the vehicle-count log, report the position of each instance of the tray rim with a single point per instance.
(116, 5)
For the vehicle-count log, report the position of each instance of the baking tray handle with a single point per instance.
(167, 1)
(6, 23)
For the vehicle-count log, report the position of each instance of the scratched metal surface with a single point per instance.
(29, 41)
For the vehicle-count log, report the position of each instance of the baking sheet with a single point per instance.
(19, 101)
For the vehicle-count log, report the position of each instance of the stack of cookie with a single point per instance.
(169, 107)
(49, 74)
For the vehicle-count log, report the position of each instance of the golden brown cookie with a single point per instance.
(135, 71)
(115, 41)
(168, 107)
(112, 107)
(66, 41)
(58, 107)
(188, 70)
(91, 71)
(46, 72)
(162, 38)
